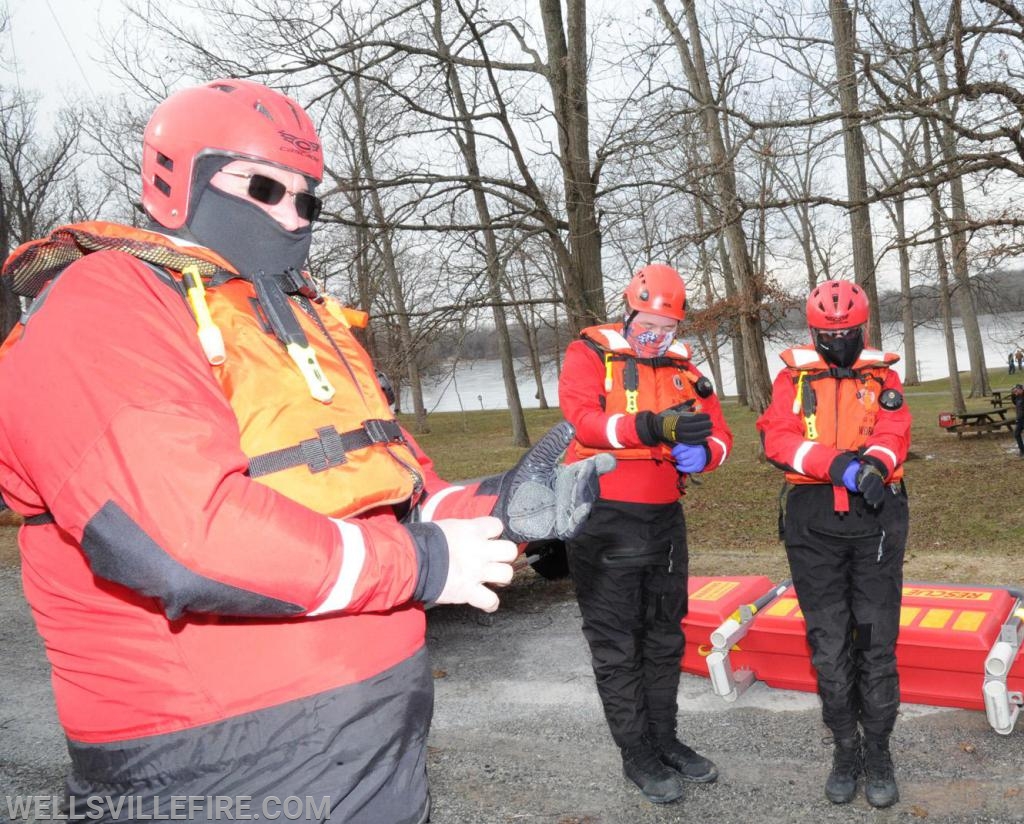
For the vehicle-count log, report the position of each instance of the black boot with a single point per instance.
(657, 782)
(690, 765)
(879, 782)
(841, 785)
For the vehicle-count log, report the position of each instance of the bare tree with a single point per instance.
(856, 175)
(36, 177)
(958, 218)
(749, 287)
(567, 76)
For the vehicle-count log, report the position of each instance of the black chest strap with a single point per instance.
(329, 448)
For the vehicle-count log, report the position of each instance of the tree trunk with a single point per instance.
(942, 268)
(704, 267)
(856, 173)
(749, 288)
(567, 76)
(911, 377)
(387, 253)
(957, 220)
(739, 369)
(466, 138)
(806, 239)
(10, 306)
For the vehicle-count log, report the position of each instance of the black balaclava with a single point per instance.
(240, 231)
(840, 351)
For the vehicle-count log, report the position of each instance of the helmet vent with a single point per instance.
(165, 161)
(259, 107)
(162, 185)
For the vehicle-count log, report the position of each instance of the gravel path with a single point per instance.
(519, 738)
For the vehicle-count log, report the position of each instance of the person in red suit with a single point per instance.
(632, 390)
(838, 424)
(229, 538)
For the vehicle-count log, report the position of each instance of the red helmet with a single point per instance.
(659, 289)
(236, 118)
(837, 304)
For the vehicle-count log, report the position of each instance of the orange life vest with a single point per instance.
(339, 458)
(635, 384)
(837, 412)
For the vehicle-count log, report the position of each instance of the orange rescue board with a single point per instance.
(946, 632)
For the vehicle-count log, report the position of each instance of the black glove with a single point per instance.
(677, 424)
(540, 498)
(871, 484)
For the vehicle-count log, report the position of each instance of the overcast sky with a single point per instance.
(50, 47)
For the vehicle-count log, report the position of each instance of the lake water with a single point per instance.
(479, 385)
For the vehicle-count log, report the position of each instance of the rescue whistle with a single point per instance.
(210, 337)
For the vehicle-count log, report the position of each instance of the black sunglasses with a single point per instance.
(267, 190)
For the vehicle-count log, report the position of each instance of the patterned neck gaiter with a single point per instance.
(648, 344)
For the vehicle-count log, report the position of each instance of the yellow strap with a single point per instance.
(810, 421)
(210, 337)
(608, 372)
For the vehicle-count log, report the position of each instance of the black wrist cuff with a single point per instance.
(431, 559)
(648, 428)
(877, 463)
(838, 467)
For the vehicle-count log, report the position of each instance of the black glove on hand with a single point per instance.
(541, 499)
(677, 424)
(871, 485)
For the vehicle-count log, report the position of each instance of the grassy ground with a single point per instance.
(967, 511)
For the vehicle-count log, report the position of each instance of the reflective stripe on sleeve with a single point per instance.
(610, 431)
(801, 453)
(725, 449)
(430, 507)
(887, 452)
(353, 557)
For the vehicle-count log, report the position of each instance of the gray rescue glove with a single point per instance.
(539, 498)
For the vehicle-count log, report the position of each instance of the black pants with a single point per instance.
(629, 566)
(848, 574)
(1017, 430)
(352, 755)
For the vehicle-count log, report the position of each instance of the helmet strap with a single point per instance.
(631, 314)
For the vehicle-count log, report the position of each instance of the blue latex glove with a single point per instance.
(689, 458)
(850, 476)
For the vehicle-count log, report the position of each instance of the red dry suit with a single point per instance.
(814, 416)
(179, 559)
(846, 557)
(630, 561)
(593, 392)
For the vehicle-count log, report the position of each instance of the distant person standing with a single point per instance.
(1010, 360)
(1017, 396)
(1020, 359)
(838, 424)
(631, 389)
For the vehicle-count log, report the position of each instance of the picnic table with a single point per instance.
(991, 420)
